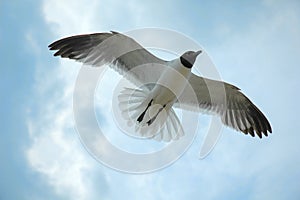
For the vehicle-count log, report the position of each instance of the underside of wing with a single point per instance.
(226, 100)
(119, 51)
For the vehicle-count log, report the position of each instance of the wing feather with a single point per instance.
(226, 100)
(119, 51)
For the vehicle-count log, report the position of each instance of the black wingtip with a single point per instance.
(269, 128)
(50, 46)
(258, 133)
(261, 124)
(54, 45)
(57, 53)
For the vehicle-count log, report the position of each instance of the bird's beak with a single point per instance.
(197, 53)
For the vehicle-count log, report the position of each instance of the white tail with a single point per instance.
(157, 122)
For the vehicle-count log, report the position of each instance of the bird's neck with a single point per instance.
(177, 65)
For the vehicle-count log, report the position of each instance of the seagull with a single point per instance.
(164, 86)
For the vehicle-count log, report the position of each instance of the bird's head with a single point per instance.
(188, 58)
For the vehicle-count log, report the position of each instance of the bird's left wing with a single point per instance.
(121, 52)
(226, 100)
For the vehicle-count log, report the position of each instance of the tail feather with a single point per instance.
(166, 125)
(172, 129)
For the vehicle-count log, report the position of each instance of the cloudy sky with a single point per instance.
(254, 45)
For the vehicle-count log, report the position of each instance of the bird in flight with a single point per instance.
(162, 86)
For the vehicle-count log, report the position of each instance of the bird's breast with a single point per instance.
(171, 83)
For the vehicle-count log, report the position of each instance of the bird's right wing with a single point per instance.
(226, 100)
(121, 52)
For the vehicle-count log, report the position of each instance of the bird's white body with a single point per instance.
(157, 107)
(171, 83)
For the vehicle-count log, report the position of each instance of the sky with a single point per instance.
(255, 45)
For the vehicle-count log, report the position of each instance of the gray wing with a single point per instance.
(121, 52)
(234, 108)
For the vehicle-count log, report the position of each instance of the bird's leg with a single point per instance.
(141, 117)
(153, 118)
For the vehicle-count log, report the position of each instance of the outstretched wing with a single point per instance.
(226, 100)
(121, 52)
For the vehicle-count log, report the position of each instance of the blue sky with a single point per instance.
(254, 45)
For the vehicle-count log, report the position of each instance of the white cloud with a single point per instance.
(62, 163)
(56, 152)
(65, 17)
